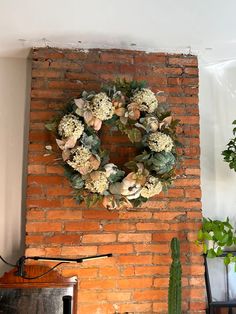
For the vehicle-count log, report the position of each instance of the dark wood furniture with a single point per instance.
(38, 296)
(220, 279)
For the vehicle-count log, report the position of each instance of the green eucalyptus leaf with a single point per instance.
(118, 176)
(51, 126)
(77, 182)
(134, 135)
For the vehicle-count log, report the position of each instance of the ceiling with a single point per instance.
(203, 27)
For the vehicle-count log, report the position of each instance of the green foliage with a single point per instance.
(230, 153)
(77, 181)
(220, 234)
(118, 176)
(52, 124)
(130, 120)
(92, 142)
(126, 87)
(162, 162)
(174, 291)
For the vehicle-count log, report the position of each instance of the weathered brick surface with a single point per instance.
(135, 279)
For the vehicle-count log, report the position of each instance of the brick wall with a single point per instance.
(135, 280)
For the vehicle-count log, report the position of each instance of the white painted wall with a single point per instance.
(217, 112)
(13, 89)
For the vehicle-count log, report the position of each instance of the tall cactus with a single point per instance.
(174, 294)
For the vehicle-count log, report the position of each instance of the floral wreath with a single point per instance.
(133, 109)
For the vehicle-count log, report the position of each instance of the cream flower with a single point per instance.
(96, 182)
(150, 123)
(111, 202)
(84, 110)
(159, 142)
(152, 187)
(83, 161)
(110, 169)
(70, 126)
(131, 185)
(146, 100)
(101, 107)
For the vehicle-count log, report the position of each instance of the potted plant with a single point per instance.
(230, 153)
(217, 236)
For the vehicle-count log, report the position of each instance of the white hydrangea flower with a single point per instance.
(152, 187)
(101, 107)
(146, 100)
(96, 182)
(110, 169)
(159, 142)
(81, 156)
(70, 126)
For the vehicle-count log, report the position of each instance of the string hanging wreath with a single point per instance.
(133, 109)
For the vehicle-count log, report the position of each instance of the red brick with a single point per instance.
(38, 93)
(160, 307)
(99, 68)
(78, 250)
(109, 272)
(43, 203)
(46, 180)
(152, 270)
(116, 249)
(65, 85)
(150, 295)
(134, 237)
(191, 71)
(96, 308)
(82, 226)
(64, 214)
(194, 215)
(34, 214)
(184, 100)
(193, 193)
(46, 73)
(99, 238)
(34, 239)
(119, 227)
(166, 71)
(185, 61)
(198, 306)
(66, 239)
(134, 283)
(97, 284)
(185, 226)
(116, 57)
(167, 236)
(135, 215)
(155, 248)
(152, 226)
(47, 53)
(34, 252)
(184, 204)
(150, 58)
(168, 215)
(135, 308)
(41, 115)
(43, 226)
(134, 259)
(99, 214)
(161, 282)
(127, 271)
(80, 272)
